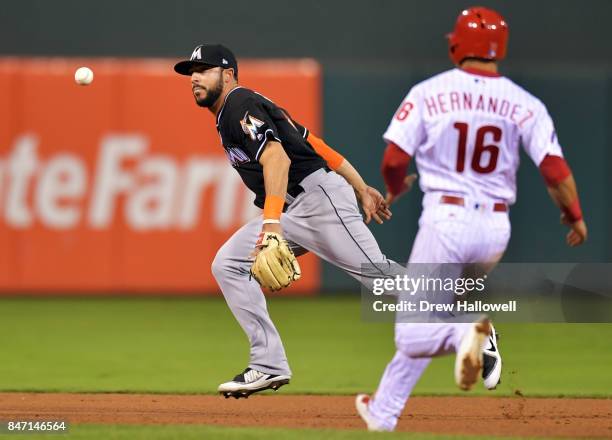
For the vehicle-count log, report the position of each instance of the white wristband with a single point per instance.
(271, 221)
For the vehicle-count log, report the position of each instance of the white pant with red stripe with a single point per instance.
(448, 233)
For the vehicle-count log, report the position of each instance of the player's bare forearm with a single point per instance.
(275, 163)
(352, 176)
(565, 196)
(564, 193)
(372, 202)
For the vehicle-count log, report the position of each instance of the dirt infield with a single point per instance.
(450, 415)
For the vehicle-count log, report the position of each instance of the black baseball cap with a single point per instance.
(211, 55)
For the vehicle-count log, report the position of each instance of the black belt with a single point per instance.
(295, 191)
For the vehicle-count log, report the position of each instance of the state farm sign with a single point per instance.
(158, 191)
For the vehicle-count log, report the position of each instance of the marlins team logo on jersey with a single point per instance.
(250, 125)
(236, 156)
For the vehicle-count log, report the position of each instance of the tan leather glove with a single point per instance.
(275, 266)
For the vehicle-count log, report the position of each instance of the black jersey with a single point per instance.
(246, 122)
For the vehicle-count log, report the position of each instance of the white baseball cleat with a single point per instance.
(492, 362)
(361, 403)
(469, 360)
(251, 381)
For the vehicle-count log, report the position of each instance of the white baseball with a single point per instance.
(83, 76)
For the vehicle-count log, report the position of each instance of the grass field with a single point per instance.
(126, 432)
(189, 345)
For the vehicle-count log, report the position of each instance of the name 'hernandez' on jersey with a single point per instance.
(465, 128)
(246, 122)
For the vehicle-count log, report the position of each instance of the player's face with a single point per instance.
(206, 85)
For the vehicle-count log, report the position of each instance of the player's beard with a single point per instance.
(212, 94)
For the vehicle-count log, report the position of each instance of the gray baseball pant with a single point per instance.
(324, 219)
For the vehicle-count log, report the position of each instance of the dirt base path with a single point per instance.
(448, 415)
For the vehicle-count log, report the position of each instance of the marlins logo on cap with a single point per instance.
(197, 54)
(208, 55)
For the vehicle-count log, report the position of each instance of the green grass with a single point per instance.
(188, 432)
(187, 345)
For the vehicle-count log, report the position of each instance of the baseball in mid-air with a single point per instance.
(83, 76)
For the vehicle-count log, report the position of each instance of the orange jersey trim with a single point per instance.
(331, 156)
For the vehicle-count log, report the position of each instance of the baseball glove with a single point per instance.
(275, 266)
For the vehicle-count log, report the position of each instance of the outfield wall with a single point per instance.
(93, 232)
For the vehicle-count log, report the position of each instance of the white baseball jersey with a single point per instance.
(464, 130)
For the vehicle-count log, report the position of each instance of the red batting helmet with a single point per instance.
(479, 33)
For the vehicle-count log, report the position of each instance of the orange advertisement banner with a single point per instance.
(122, 185)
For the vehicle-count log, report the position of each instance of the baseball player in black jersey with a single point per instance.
(309, 195)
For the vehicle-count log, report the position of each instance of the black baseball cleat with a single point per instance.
(252, 381)
(492, 361)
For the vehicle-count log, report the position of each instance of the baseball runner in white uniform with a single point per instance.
(464, 128)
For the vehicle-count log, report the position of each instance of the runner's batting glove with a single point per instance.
(275, 266)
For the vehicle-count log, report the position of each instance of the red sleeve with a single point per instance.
(554, 169)
(394, 166)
